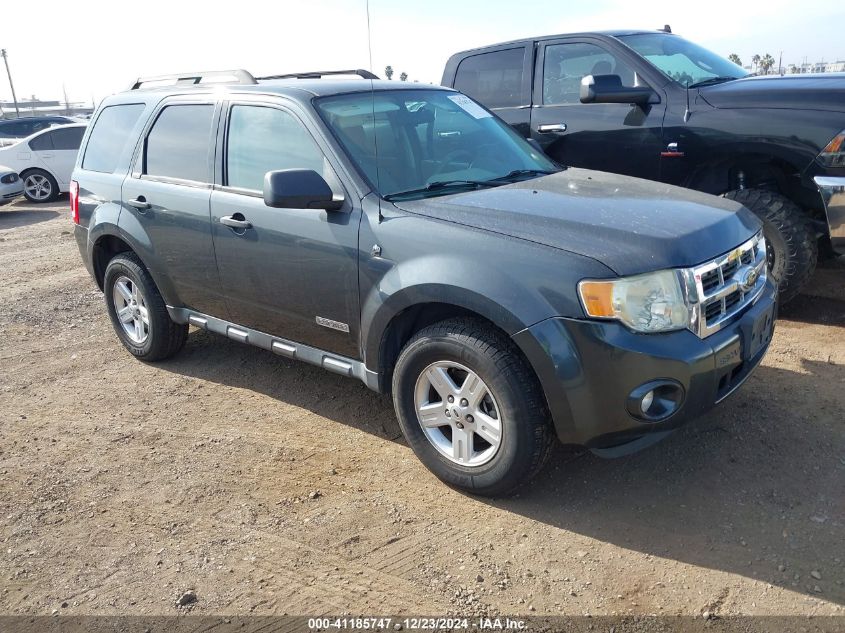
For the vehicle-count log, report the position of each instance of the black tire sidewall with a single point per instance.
(513, 460)
(54, 186)
(121, 266)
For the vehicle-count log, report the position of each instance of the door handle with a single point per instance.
(139, 203)
(552, 128)
(236, 222)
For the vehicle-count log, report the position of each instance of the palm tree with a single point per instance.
(756, 61)
(388, 70)
(403, 77)
(735, 59)
(767, 63)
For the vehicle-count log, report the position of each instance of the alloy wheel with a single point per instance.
(458, 413)
(131, 309)
(38, 187)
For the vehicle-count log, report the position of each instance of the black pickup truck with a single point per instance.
(653, 105)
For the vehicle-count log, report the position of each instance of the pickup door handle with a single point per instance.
(552, 128)
(236, 221)
(139, 203)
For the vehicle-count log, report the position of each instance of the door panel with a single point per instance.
(168, 195)
(613, 137)
(59, 162)
(292, 266)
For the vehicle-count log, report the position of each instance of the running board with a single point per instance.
(289, 349)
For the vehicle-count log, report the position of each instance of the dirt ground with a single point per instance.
(269, 487)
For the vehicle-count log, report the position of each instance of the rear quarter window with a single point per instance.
(42, 143)
(110, 136)
(67, 138)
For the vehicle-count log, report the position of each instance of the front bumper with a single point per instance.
(832, 190)
(588, 369)
(11, 192)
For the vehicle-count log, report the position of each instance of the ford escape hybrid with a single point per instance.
(403, 235)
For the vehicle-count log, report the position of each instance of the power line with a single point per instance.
(369, 37)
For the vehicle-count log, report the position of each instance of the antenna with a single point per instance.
(369, 37)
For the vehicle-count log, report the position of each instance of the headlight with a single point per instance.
(833, 155)
(653, 302)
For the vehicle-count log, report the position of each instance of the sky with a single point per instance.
(92, 48)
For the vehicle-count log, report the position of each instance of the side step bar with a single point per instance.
(282, 347)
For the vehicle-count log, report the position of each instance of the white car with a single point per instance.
(45, 160)
(11, 185)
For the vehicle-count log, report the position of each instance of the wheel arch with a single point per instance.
(103, 250)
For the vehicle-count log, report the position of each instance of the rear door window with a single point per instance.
(69, 138)
(110, 137)
(495, 79)
(178, 144)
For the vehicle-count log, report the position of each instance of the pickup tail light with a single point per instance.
(74, 201)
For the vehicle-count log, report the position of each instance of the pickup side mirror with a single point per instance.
(609, 89)
(299, 189)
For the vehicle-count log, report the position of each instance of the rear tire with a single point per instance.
(457, 447)
(790, 239)
(39, 186)
(137, 311)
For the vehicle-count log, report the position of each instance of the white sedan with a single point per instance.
(45, 160)
(11, 186)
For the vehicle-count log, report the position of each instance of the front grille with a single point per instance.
(727, 284)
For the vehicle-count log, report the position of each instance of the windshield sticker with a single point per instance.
(469, 106)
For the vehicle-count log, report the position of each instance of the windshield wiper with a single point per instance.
(711, 81)
(516, 173)
(439, 185)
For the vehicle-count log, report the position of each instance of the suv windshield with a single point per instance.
(687, 63)
(420, 143)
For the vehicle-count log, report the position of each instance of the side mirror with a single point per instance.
(299, 189)
(609, 89)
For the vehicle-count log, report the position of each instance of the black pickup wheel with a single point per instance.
(791, 244)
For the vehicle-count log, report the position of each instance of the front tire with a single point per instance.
(791, 244)
(137, 311)
(471, 407)
(40, 186)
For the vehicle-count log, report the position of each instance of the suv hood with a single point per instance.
(629, 225)
(800, 92)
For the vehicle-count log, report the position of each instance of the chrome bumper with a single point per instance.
(832, 190)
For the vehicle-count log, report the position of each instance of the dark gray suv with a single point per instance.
(404, 235)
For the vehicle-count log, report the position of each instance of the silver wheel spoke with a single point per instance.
(442, 382)
(462, 444)
(433, 415)
(139, 329)
(124, 291)
(145, 315)
(488, 428)
(125, 314)
(473, 390)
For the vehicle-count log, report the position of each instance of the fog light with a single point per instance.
(646, 402)
(655, 401)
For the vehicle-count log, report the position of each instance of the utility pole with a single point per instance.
(11, 85)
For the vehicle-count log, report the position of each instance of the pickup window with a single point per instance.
(566, 64)
(494, 79)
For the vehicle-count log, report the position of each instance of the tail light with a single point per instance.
(74, 201)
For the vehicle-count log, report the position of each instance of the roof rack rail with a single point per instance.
(317, 74)
(238, 75)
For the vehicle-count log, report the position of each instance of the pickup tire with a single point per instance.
(471, 408)
(792, 248)
(137, 311)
